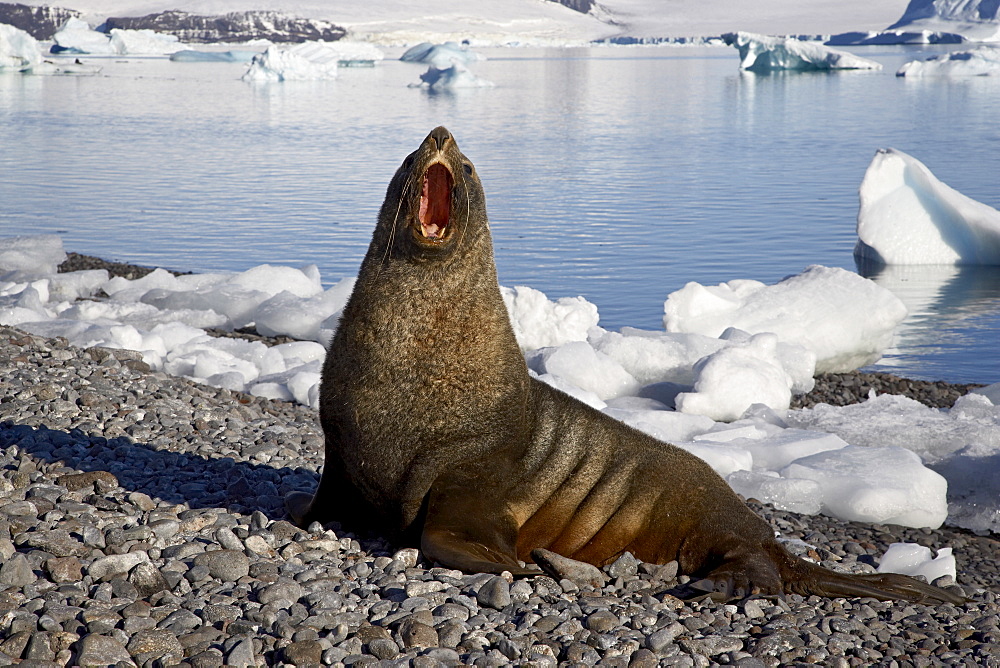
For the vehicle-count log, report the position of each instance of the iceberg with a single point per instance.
(441, 56)
(981, 62)
(76, 36)
(144, 42)
(192, 56)
(451, 78)
(19, 51)
(908, 216)
(763, 53)
(309, 61)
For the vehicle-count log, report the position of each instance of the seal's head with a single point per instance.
(435, 200)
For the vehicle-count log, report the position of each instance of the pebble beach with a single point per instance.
(142, 524)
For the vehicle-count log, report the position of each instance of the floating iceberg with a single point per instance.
(844, 319)
(908, 216)
(763, 53)
(309, 61)
(19, 51)
(352, 53)
(192, 56)
(451, 78)
(981, 62)
(441, 56)
(76, 36)
(144, 42)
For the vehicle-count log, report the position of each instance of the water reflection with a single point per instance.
(954, 313)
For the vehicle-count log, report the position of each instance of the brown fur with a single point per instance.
(435, 429)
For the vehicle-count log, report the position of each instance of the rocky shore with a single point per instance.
(141, 523)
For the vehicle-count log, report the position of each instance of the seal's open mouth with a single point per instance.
(435, 201)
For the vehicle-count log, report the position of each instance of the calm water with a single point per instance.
(617, 174)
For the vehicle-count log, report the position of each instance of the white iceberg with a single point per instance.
(144, 43)
(76, 36)
(844, 319)
(440, 56)
(981, 62)
(451, 78)
(192, 56)
(908, 216)
(764, 53)
(352, 53)
(19, 51)
(309, 61)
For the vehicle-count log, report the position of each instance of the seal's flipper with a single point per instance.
(882, 586)
(469, 531)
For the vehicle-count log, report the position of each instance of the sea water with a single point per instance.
(619, 174)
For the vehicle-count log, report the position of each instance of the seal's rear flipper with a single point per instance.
(883, 586)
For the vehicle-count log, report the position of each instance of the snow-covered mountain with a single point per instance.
(522, 21)
(975, 20)
(531, 21)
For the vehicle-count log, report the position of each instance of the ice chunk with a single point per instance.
(539, 323)
(913, 559)
(668, 426)
(844, 319)
(303, 62)
(981, 62)
(723, 459)
(302, 317)
(773, 452)
(578, 363)
(75, 36)
(566, 387)
(19, 51)
(908, 216)
(30, 256)
(655, 357)
(440, 56)
(728, 382)
(881, 485)
(763, 53)
(797, 495)
(451, 78)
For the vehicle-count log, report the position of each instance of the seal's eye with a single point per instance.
(468, 168)
(408, 162)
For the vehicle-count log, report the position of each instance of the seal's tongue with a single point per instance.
(435, 201)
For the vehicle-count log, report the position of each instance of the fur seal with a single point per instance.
(434, 429)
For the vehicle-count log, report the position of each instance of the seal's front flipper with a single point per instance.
(465, 529)
(459, 550)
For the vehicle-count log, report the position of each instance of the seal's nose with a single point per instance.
(440, 135)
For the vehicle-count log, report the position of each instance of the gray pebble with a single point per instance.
(494, 593)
